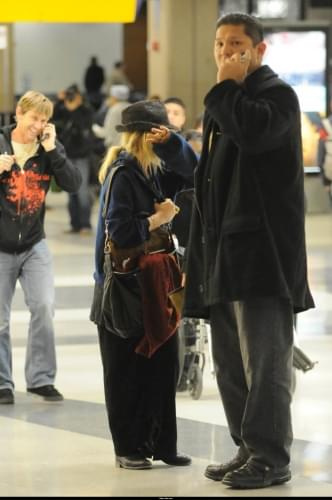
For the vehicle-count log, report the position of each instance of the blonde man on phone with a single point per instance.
(29, 156)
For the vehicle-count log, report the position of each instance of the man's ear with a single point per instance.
(261, 48)
(19, 112)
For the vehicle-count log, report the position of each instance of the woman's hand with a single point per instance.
(158, 135)
(164, 212)
(167, 210)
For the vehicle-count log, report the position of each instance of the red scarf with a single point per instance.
(160, 275)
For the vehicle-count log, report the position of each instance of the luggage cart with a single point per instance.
(193, 335)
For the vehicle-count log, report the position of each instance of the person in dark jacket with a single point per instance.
(30, 156)
(176, 112)
(74, 122)
(246, 262)
(94, 79)
(140, 374)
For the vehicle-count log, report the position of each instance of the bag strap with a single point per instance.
(140, 176)
(113, 170)
(120, 164)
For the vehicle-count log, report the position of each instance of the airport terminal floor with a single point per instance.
(64, 449)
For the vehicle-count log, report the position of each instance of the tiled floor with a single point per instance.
(64, 449)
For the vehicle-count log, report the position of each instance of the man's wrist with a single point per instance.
(52, 148)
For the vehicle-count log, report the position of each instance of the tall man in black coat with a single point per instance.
(246, 268)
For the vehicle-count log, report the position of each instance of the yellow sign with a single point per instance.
(68, 11)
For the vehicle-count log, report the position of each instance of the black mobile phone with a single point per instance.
(43, 137)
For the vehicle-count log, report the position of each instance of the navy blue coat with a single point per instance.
(132, 201)
(247, 234)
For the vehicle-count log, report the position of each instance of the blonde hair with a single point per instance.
(36, 101)
(136, 145)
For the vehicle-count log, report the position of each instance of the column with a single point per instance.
(180, 50)
(6, 73)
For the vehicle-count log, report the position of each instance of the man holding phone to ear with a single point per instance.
(29, 156)
(246, 261)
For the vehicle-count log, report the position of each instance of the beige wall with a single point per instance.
(180, 50)
(6, 69)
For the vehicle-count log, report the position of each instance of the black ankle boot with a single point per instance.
(134, 462)
(180, 459)
(218, 471)
(252, 475)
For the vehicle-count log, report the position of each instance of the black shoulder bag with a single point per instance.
(121, 309)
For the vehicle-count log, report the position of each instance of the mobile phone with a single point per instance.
(243, 57)
(43, 137)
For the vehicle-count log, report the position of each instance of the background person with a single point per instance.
(94, 79)
(119, 76)
(247, 269)
(324, 154)
(176, 112)
(74, 124)
(118, 101)
(29, 156)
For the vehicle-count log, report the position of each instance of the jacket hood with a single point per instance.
(6, 131)
(5, 139)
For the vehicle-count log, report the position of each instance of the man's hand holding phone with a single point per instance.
(234, 67)
(48, 136)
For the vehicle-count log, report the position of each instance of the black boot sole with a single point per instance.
(265, 484)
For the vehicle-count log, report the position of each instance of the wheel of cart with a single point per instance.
(195, 376)
(192, 338)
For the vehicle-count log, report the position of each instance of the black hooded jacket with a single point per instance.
(23, 192)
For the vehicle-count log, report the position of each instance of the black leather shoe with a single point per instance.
(134, 462)
(217, 472)
(252, 475)
(6, 397)
(179, 459)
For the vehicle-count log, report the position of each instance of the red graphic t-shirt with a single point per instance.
(26, 191)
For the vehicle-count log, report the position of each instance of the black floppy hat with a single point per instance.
(142, 116)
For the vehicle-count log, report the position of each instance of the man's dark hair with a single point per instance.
(175, 100)
(71, 92)
(252, 26)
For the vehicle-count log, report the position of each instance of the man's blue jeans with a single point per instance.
(33, 269)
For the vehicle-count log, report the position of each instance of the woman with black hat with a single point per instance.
(141, 373)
